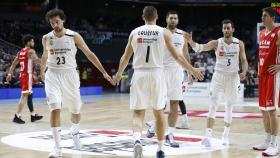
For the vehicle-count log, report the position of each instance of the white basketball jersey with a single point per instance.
(227, 56)
(61, 50)
(179, 41)
(148, 46)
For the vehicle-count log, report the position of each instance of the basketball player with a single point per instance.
(225, 81)
(25, 58)
(62, 82)
(269, 81)
(148, 42)
(174, 76)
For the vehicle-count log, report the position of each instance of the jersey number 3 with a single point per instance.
(60, 60)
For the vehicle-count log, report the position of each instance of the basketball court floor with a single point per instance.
(106, 131)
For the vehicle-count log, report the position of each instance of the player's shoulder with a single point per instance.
(236, 40)
(70, 33)
(179, 32)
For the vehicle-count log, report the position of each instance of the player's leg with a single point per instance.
(71, 98)
(185, 121)
(54, 96)
(22, 101)
(160, 128)
(34, 116)
(216, 87)
(172, 119)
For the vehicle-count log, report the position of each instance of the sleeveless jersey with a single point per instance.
(148, 46)
(26, 65)
(61, 50)
(227, 56)
(268, 50)
(179, 41)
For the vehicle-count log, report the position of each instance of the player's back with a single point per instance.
(24, 61)
(148, 46)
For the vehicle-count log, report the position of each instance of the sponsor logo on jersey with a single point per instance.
(221, 54)
(139, 40)
(52, 51)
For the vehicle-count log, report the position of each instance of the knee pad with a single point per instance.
(228, 113)
(213, 107)
(54, 106)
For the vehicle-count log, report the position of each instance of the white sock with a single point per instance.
(268, 138)
(226, 131)
(18, 115)
(136, 136)
(75, 128)
(32, 114)
(170, 130)
(56, 131)
(160, 145)
(208, 132)
(185, 118)
(274, 140)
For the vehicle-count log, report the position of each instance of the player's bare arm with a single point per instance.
(124, 60)
(180, 58)
(12, 68)
(243, 60)
(275, 68)
(211, 45)
(79, 41)
(187, 56)
(43, 59)
(32, 54)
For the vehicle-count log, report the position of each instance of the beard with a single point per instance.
(172, 26)
(57, 30)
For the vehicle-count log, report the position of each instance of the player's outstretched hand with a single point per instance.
(108, 78)
(242, 76)
(117, 78)
(274, 68)
(196, 73)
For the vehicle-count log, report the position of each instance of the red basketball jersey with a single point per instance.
(268, 50)
(24, 61)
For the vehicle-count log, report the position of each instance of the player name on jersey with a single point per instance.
(148, 33)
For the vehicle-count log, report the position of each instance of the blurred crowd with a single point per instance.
(12, 31)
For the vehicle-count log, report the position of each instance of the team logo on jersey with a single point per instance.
(52, 51)
(221, 54)
(139, 40)
(108, 143)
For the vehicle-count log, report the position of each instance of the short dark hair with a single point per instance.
(171, 12)
(271, 12)
(55, 12)
(27, 38)
(227, 21)
(149, 13)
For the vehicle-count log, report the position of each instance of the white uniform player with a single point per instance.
(172, 70)
(62, 83)
(62, 80)
(148, 89)
(148, 80)
(225, 80)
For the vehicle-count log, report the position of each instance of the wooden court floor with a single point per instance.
(111, 112)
